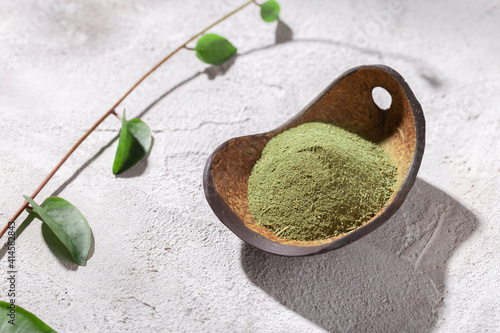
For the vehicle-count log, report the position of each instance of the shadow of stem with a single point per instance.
(54, 244)
(283, 34)
(18, 232)
(138, 169)
(392, 280)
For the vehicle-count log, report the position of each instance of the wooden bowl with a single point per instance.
(348, 101)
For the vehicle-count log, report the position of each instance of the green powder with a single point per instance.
(317, 180)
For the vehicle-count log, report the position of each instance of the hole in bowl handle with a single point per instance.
(382, 98)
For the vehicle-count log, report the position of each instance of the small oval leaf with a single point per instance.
(68, 224)
(135, 142)
(15, 319)
(270, 11)
(214, 49)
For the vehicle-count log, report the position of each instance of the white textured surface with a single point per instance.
(162, 260)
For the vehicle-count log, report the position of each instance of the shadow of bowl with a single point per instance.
(348, 102)
(392, 280)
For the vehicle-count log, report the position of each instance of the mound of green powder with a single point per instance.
(317, 180)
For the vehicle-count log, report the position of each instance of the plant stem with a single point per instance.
(112, 111)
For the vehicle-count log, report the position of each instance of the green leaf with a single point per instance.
(214, 49)
(135, 142)
(270, 11)
(68, 224)
(24, 320)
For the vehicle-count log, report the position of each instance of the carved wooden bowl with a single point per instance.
(348, 101)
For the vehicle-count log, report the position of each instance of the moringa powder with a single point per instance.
(317, 181)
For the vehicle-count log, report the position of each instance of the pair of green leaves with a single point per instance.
(70, 226)
(215, 50)
(65, 220)
(68, 223)
(135, 136)
(21, 321)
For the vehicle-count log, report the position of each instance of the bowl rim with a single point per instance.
(232, 221)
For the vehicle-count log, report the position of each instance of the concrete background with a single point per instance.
(162, 260)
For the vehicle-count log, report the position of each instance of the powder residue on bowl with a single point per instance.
(317, 181)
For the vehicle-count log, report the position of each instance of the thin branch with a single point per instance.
(113, 112)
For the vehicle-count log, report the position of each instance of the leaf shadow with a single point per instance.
(54, 244)
(60, 251)
(212, 72)
(392, 280)
(140, 167)
(284, 35)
